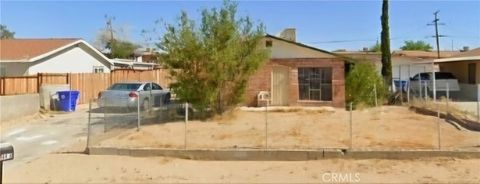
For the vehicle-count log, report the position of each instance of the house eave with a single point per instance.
(457, 59)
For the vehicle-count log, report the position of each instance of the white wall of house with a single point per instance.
(281, 49)
(401, 66)
(74, 60)
(14, 68)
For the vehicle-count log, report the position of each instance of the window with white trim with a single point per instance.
(98, 69)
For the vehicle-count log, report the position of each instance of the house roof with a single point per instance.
(424, 54)
(305, 46)
(473, 52)
(472, 55)
(31, 50)
(25, 49)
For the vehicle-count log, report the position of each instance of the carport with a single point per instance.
(466, 67)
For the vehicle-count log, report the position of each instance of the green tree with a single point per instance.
(375, 48)
(122, 49)
(360, 83)
(385, 45)
(213, 62)
(5, 33)
(416, 45)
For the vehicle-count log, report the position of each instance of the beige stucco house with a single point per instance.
(466, 67)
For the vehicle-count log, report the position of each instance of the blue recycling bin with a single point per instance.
(67, 100)
(400, 84)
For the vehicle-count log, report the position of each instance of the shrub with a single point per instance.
(360, 83)
(213, 61)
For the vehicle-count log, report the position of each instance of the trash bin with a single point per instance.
(67, 100)
(400, 84)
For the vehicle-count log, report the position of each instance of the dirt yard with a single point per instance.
(76, 168)
(388, 127)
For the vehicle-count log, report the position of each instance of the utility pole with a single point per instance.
(436, 23)
(110, 30)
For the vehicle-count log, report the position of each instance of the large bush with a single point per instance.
(213, 61)
(360, 83)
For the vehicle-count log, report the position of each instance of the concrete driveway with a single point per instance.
(35, 137)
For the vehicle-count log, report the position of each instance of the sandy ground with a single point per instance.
(388, 127)
(77, 168)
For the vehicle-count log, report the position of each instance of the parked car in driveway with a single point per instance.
(419, 81)
(128, 94)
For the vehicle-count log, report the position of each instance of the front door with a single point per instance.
(280, 83)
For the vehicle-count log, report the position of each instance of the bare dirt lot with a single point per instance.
(76, 168)
(388, 127)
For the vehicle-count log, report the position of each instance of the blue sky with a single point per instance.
(327, 25)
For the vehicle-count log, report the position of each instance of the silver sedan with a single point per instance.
(130, 95)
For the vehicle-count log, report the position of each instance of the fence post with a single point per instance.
(408, 83)
(186, 121)
(448, 98)
(104, 116)
(266, 125)
(351, 128)
(434, 84)
(39, 81)
(478, 103)
(375, 94)
(400, 83)
(89, 123)
(4, 85)
(425, 90)
(67, 78)
(138, 112)
(439, 128)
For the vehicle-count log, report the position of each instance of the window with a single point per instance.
(472, 73)
(125, 87)
(98, 69)
(268, 43)
(146, 87)
(444, 75)
(315, 84)
(424, 76)
(156, 86)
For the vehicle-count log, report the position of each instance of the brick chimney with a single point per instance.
(288, 34)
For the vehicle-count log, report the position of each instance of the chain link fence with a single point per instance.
(148, 120)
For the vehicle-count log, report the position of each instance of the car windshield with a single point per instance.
(124, 87)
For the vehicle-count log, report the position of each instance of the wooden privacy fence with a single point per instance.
(89, 84)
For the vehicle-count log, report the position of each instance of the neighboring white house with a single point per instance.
(20, 57)
(405, 64)
(132, 64)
